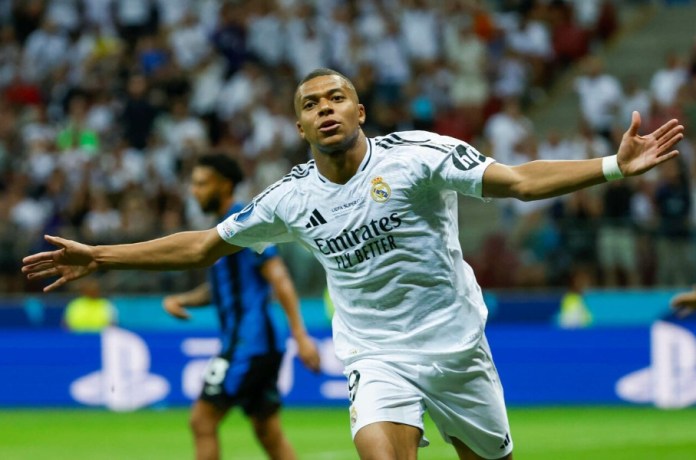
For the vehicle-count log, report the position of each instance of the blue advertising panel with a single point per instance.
(125, 370)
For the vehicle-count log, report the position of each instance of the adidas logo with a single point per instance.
(315, 220)
(506, 441)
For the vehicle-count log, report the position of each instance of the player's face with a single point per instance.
(328, 114)
(208, 188)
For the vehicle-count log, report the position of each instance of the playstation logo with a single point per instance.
(670, 381)
(124, 383)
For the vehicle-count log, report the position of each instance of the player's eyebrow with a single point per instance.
(317, 95)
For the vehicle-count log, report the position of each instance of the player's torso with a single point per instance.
(369, 220)
(241, 297)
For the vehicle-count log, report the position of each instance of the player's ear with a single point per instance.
(300, 130)
(362, 116)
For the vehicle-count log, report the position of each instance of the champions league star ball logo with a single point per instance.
(380, 191)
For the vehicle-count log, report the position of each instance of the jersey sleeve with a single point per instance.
(257, 225)
(455, 165)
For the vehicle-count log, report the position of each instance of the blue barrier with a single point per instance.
(144, 313)
(125, 370)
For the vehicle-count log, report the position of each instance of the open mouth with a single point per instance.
(328, 125)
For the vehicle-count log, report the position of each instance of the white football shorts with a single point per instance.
(462, 395)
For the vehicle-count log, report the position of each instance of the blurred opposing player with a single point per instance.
(381, 216)
(246, 370)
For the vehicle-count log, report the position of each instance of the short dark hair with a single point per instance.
(222, 164)
(320, 72)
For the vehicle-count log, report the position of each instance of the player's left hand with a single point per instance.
(638, 154)
(308, 352)
(175, 307)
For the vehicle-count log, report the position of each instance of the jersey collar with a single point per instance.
(363, 164)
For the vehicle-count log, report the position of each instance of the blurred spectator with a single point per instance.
(189, 42)
(635, 98)
(138, 114)
(102, 222)
(229, 38)
(616, 244)
(10, 55)
(134, 18)
(26, 17)
(389, 58)
(266, 33)
(571, 41)
(183, 132)
(506, 130)
(171, 13)
(674, 248)
(577, 219)
(574, 313)
(607, 21)
(465, 52)
(76, 134)
(665, 83)
(530, 38)
(45, 50)
(420, 30)
(90, 311)
(105, 105)
(600, 96)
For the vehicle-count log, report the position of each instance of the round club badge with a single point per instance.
(380, 191)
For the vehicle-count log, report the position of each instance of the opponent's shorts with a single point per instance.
(463, 396)
(250, 383)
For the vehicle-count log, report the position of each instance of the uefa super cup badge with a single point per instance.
(380, 191)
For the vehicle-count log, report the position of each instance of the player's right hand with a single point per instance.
(71, 261)
(174, 307)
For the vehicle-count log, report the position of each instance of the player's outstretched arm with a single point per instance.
(543, 179)
(73, 260)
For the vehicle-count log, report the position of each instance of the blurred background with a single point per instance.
(106, 104)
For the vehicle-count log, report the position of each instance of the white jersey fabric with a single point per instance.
(388, 240)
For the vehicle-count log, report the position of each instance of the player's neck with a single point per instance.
(340, 167)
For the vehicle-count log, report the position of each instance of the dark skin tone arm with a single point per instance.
(276, 273)
(73, 260)
(544, 179)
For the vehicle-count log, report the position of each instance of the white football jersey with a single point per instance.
(389, 242)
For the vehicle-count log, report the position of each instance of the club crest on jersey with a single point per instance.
(353, 416)
(380, 191)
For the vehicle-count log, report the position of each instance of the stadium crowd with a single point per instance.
(106, 104)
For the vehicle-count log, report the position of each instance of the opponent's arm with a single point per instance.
(176, 304)
(275, 272)
(685, 302)
(73, 260)
(543, 179)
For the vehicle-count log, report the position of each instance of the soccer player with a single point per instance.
(246, 370)
(381, 216)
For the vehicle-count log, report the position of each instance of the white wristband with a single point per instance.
(610, 168)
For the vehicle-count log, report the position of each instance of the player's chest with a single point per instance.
(369, 201)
